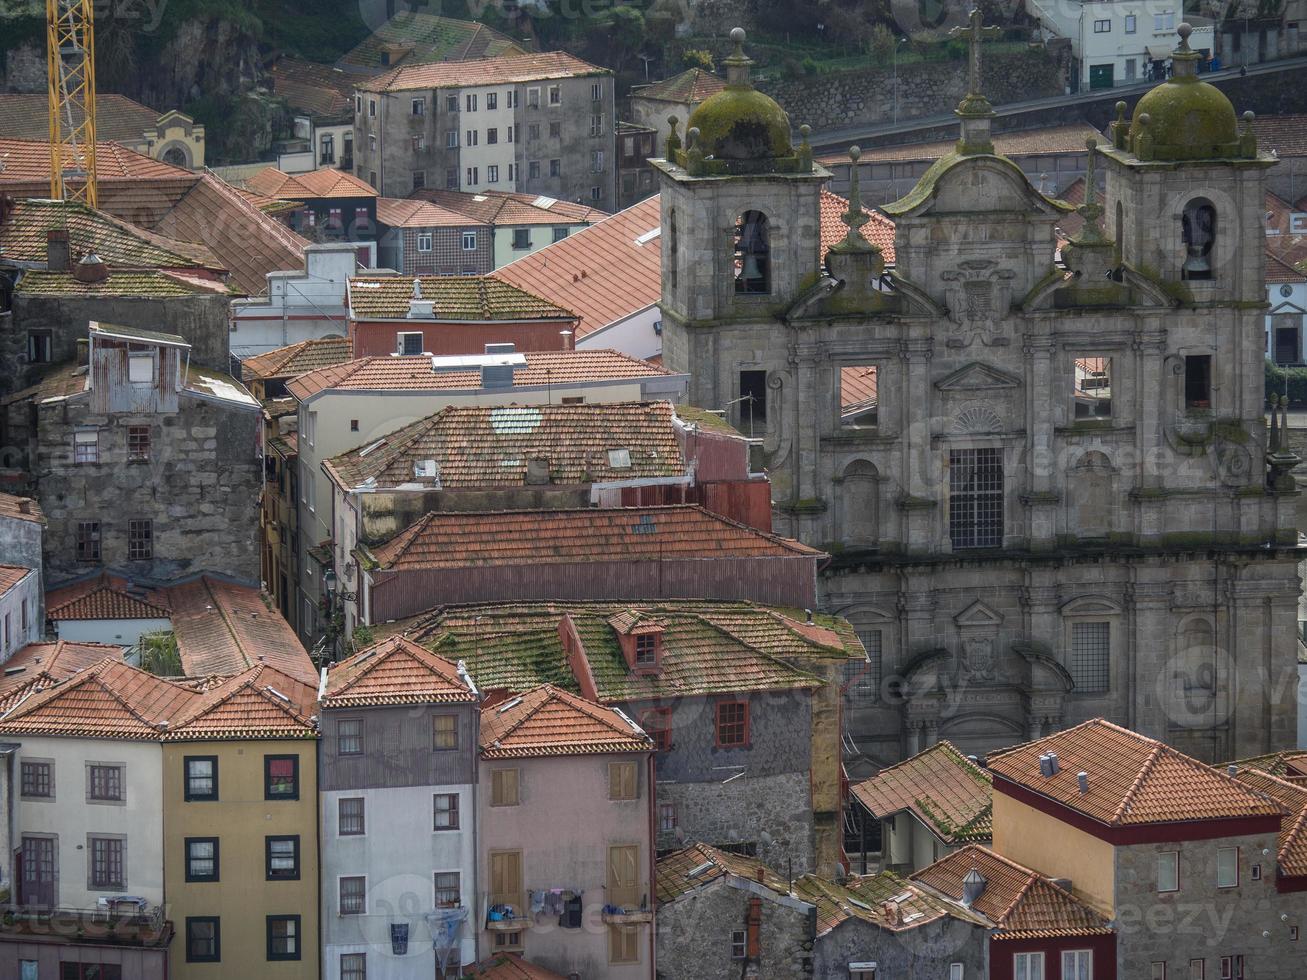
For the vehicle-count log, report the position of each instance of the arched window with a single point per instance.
(176, 156)
(673, 249)
(752, 254)
(1198, 229)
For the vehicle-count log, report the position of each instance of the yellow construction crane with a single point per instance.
(70, 55)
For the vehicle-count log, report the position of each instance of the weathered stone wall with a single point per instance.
(694, 934)
(200, 487)
(928, 950)
(843, 99)
(201, 320)
(24, 69)
(1201, 921)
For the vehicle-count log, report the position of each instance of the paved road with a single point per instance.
(840, 139)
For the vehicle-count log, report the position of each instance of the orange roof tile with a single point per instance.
(41, 664)
(107, 700)
(550, 721)
(261, 702)
(321, 90)
(11, 575)
(1290, 764)
(510, 966)
(858, 388)
(1067, 138)
(879, 231)
(500, 70)
(106, 596)
(116, 117)
(1292, 845)
(287, 362)
(27, 161)
(941, 787)
(605, 273)
(884, 899)
(459, 540)
(462, 298)
(395, 671)
(1019, 902)
(1133, 779)
(406, 212)
(491, 446)
(1286, 134)
(416, 373)
(315, 184)
(491, 207)
(20, 508)
(690, 86)
(697, 865)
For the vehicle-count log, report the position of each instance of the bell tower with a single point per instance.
(741, 220)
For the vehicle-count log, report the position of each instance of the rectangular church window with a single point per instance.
(753, 398)
(1093, 387)
(1198, 381)
(976, 498)
(1091, 650)
(859, 401)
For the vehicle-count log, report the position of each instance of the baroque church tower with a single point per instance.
(1040, 463)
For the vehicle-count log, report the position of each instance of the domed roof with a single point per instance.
(1183, 118)
(740, 123)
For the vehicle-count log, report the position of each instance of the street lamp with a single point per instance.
(897, 42)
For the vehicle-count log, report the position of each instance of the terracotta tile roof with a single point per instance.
(879, 231)
(395, 671)
(1290, 764)
(461, 540)
(117, 118)
(706, 419)
(64, 381)
(407, 212)
(320, 90)
(884, 899)
(11, 575)
(549, 721)
(27, 162)
(260, 702)
(1277, 270)
(1132, 779)
(675, 878)
(224, 628)
(23, 235)
(941, 787)
(268, 205)
(1285, 134)
(467, 298)
(857, 388)
(1048, 140)
(690, 86)
(313, 185)
(39, 665)
(1292, 844)
(493, 208)
(605, 273)
(510, 966)
(107, 700)
(288, 362)
(1021, 904)
(502, 70)
(20, 508)
(121, 283)
(425, 37)
(484, 446)
(416, 373)
(706, 647)
(106, 596)
(1283, 246)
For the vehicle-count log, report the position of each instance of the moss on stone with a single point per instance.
(741, 123)
(1187, 120)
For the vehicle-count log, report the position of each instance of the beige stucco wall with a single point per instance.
(1046, 844)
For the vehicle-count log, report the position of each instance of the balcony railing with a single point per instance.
(100, 925)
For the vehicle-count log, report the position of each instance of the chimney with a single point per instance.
(754, 949)
(1232, 771)
(1052, 762)
(56, 250)
(497, 375)
(419, 308)
(973, 886)
(1063, 883)
(92, 268)
(1045, 766)
(1083, 779)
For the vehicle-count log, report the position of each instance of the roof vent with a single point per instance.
(277, 694)
(1052, 759)
(537, 472)
(1045, 766)
(498, 375)
(1083, 779)
(509, 705)
(1063, 883)
(162, 725)
(92, 268)
(1232, 770)
(699, 869)
(10, 671)
(419, 308)
(973, 886)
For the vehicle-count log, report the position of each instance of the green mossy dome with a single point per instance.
(742, 124)
(1188, 120)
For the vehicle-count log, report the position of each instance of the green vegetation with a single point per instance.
(1292, 380)
(159, 654)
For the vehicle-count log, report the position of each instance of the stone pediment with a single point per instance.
(1287, 308)
(974, 184)
(977, 377)
(978, 616)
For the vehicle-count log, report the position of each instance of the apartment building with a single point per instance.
(542, 123)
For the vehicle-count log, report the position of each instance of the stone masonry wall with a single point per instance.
(1201, 921)
(200, 487)
(694, 934)
(928, 950)
(24, 69)
(866, 97)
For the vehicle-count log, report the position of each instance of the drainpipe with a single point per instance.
(653, 865)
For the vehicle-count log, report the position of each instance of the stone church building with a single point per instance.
(1041, 464)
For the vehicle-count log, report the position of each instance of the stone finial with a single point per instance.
(1143, 140)
(805, 148)
(1120, 128)
(738, 65)
(854, 218)
(1184, 59)
(1091, 210)
(673, 140)
(1248, 136)
(694, 153)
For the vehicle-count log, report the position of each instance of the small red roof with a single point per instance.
(941, 787)
(106, 596)
(510, 966)
(550, 721)
(29, 160)
(315, 184)
(395, 671)
(1292, 846)
(41, 664)
(690, 87)
(405, 212)
(499, 70)
(20, 508)
(11, 575)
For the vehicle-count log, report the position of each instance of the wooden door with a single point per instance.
(624, 875)
(38, 874)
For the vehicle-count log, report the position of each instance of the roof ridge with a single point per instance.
(547, 689)
(1137, 786)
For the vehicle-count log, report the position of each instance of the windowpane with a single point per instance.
(349, 731)
(353, 966)
(445, 811)
(657, 723)
(107, 863)
(976, 498)
(88, 540)
(283, 937)
(353, 895)
(1091, 649)
(37, 780)
(202, 937)
(140, 368)
(1227, 867)
(106, 783)
(732, 723)
(201, 778)
(140, 540)
(201, 859)
(280, 777)
(351, 816)
(448, 890)
(283, 858)
(445, 732)
(138, 442)
(1168, 871)
(86, 446)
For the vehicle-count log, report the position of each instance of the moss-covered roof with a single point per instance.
(741, 123)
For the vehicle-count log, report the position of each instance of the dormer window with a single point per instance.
(641, 641)
(646, 651)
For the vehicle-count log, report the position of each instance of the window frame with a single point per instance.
(138, 443)
(436, 889)
(1031, 957)
(661, 730)
(216, 922)
(87, 544)
(268, 873)
(1074, 627)
(436, 733)
(739, 944)
(187, 794)
(453, 810)
(187, 858)
(341, 722)
(469, 241)
(137, 358)
(1131, 23)
(620, 771)
(968, 529)
(1103, 26)
(495, 794)
(140, 539)
(1237, 870)
(424, 241)
(294, 760)
(340, 895)
(94, 884)
(351, 973)
(297, 936)
(1174, 857)
(86, 452)
(121, 778)
(23, 794)
(742, 703)
(363, 816)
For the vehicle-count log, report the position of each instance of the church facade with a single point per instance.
(1041, 463)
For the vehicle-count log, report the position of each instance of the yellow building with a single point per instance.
(240, 830)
